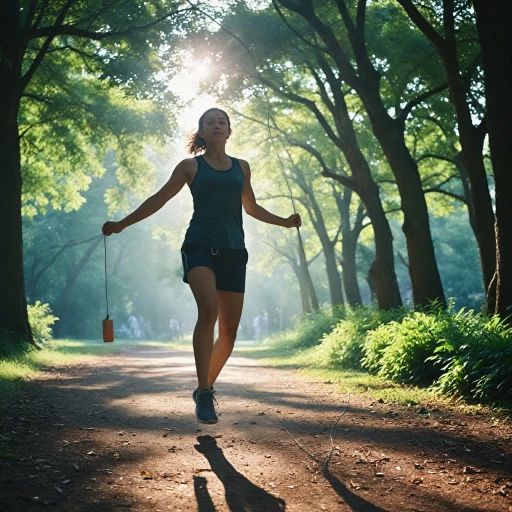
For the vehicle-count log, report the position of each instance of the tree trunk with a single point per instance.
(423, 269)
(383, 268)
(457, 160)
(306, 276)
(317, 219)
(348, 252)
(13, 302)
(371, 283)
(72, 276)
(496, 40)
(333, 275)
(471, 142)
(471, 137)
(303, 288)
(349, 244)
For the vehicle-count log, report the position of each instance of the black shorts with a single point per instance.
(228, 265)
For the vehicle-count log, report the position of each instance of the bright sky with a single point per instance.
(186, 86)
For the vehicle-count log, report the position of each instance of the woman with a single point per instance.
(213, 252)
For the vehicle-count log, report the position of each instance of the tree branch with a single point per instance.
(25, 79)
(402, 116)
(438, 157)
(37, 97)
(295, 31)
(71, 30)
(422, 23)
(458, 197)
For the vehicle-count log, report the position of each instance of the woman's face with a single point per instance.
(215, 127)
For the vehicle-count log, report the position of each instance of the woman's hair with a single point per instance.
(196, 144)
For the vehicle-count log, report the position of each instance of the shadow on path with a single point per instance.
(241, 494)
(355, 502)
(204, 500)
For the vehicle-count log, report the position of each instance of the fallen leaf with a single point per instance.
(58, 489)
(502, 490)
(116, 455)
(379, 474)
(145, 475)
(91, 453)
(468, 470)
(355, 485)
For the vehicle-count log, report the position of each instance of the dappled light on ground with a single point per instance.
(119, 431)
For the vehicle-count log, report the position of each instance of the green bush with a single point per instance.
(311, 328)
(476, 359)
(399, 350)
(40, 318)
(343, 346)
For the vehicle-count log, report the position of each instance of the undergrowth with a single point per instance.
(461, 354)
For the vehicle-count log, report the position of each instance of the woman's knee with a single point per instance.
(207, 311)
(228, 338)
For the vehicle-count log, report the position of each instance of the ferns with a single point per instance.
(463, 354)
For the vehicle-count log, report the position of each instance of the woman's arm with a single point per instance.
(253, 209)
(180, 176)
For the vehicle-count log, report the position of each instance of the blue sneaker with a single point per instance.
(194, 394)
(205, 409)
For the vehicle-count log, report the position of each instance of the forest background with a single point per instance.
(384, 123)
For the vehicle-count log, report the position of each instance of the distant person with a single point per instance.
(264, 323)
(134, 327)
(174, 327)
(213, 252)
(256, 326)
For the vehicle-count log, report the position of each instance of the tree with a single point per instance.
(111, 41)
(492, 18)
(350, 235)
(461, 60)
(357, 67)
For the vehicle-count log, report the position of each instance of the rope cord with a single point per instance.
(302, 253)
(106, 287)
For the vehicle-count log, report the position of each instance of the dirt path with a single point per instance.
(120, 434)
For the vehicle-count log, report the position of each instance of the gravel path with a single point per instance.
(119, 433)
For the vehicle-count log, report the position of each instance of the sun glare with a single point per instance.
(201, 70)
(186, 86)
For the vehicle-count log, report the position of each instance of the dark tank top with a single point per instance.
(217, 218)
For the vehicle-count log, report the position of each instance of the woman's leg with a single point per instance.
(202, 284)
(230, 306)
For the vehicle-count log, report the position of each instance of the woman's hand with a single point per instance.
(112, 227)
(293, 221)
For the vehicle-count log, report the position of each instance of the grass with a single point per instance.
(280, 355)
(18, 368)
